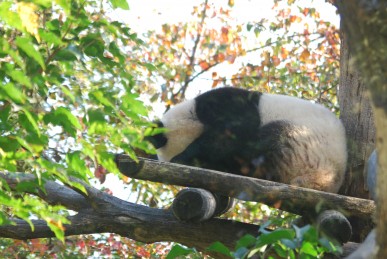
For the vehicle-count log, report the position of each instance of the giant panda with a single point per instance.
(273, 137)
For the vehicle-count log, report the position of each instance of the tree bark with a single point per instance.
(365, 24)
(357, 116)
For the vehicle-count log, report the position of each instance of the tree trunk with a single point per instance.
(357, 116)
(365, 24)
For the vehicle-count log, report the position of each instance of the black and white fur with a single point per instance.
(272, 137)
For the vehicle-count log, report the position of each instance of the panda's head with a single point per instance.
(208, 129)
(182, 128)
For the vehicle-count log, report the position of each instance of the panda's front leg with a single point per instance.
(197, 205)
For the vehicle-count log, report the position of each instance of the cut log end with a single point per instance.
(335, 225)
(194, 205)
(128, 166)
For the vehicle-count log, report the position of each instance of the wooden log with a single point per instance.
(197, 205)
(301, 201)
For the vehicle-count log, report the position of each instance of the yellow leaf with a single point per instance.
(29, 18)
(304, 55)
(284, 53)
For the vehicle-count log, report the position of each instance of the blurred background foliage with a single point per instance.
(78, 85)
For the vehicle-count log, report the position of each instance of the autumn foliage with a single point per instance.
(295, 53)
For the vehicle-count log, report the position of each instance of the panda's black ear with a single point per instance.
(158, 140)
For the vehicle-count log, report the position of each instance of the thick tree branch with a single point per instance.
(101, 212)
(294, 199)
(151, 225)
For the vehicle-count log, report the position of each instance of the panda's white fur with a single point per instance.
(183, 128)
(328, 144)
(319, 157)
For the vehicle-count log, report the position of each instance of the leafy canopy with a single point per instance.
(67, 97)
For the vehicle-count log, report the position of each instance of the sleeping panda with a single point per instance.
(273, 137)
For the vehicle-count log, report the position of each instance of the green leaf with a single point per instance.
(309, 249)
(63, 117)
(274, 236)
(27, 46)
(220, 248)
(4, 219)
(99, 95)
(178, 250)
(68, 93)
(6, 49)
(10, 17)
(37, 142)
(24, 144)
(249, 26)
(114, 49)
(93, 45)
(95, 115)
(123, 4)
(13, 93)
(106, 159)
(45, 3)
(31, 186)
(76, 163)
(281, 250)
(65, 4)
(50, 37)
(131, 105)
(18, 75)
(149, 66)
(65, 55)
(53, 25)
(59, 231)
(32, 120)
(246, 241)
(9, 144)
(76, 185)
(70, 53)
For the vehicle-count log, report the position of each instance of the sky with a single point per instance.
(147, 15)
(150, 14)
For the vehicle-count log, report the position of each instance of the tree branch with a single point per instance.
(196, 44)
(101, 212)
(301, 201)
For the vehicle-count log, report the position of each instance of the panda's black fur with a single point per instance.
(271, 137)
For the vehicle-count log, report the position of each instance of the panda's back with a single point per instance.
(318, 137)
(274, 107)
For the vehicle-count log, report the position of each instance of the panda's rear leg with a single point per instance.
(321, 180)
(197, 205)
